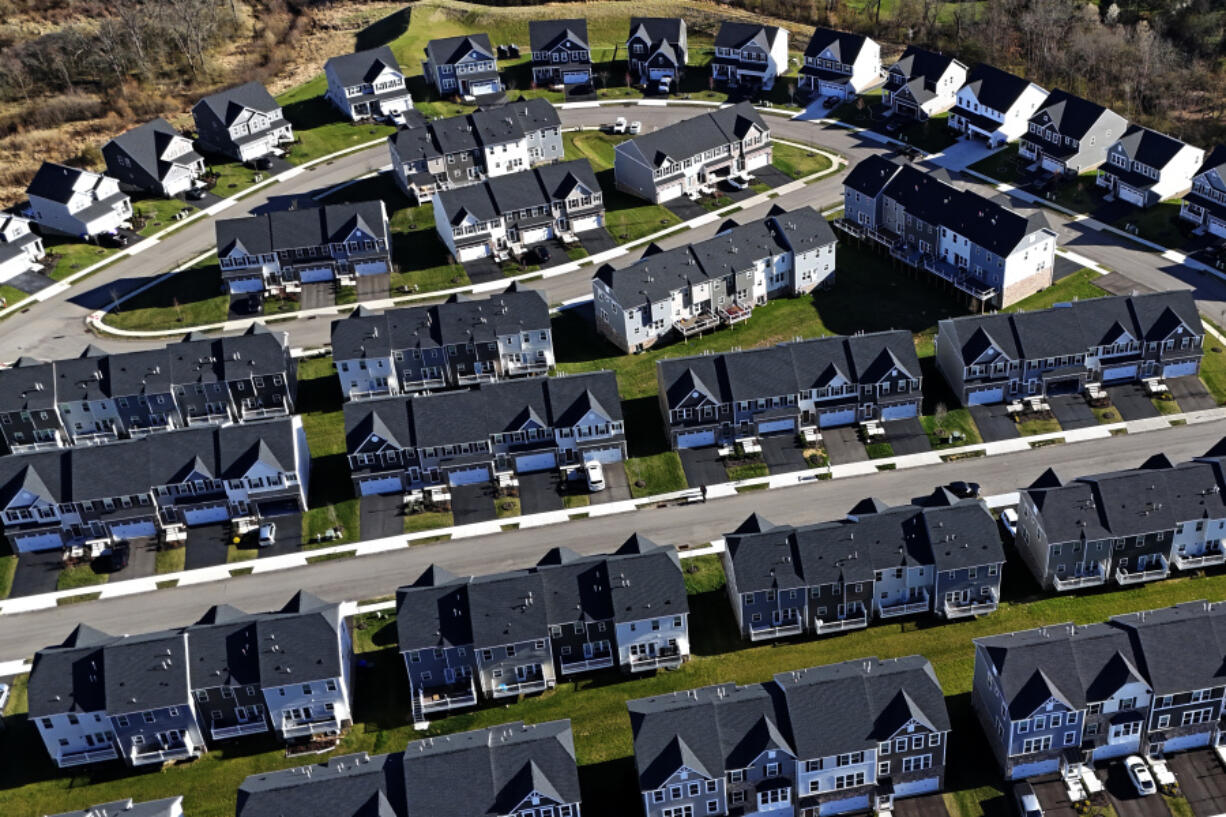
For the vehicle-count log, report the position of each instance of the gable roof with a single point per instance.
(56, 182)
(363, 67)
(226, 106)
(147, 143)
(693, 136)
(545, 35)
(1149, 147)
(922, 64)
(450, 50)
(1071, 115)
(166, 807)
(844, 46)
(658, 30)
(995, 88)
(536, 187)
(734, 34)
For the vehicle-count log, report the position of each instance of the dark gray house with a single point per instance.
(155, 158)
(1068, 135)
(749, 54)
(466, 65)
(923, 83)
(657, 48)
(1205, 205)
(167, 807)
(560, 52)
(242, 123)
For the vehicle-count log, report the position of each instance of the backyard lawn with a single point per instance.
(660, 474)
(192, 297)
(1078, 286)
(8, 568)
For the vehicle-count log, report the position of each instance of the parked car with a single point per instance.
(893, 125)
(964, 490)
(619, 125)
(830, 102)
(195, 193)
(736, 184)
(120, 552)
(1027, 801)
(594, 472)
(268, 534)
(1139, 774)
(635, 128)
(541, 254)
(666, 85)
(1009, 518)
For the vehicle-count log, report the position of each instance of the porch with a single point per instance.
(696, 325)
(975, 607)
(1213, 554)
(666, 657)
(916, 604)
(601, 660)
(782, 629)
(838, 625)
(68, 759)
(145, 753)
(249, 728)
(1096, 576)
(527, 687)
(1126, 577)
(305, 725)
(449, 696)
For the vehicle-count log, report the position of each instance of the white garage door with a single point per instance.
(1120, 373)
(1132, 196)
(382, 485)
(1053, 165)
(761, 160)
(612, 454)
(985, 396)
(659, 73)
(669, 192)
(134, 530)
(585, 223)
(540, 461)
(474, 252)
(206, 516)
(900, 412)
(838, 417)
(469, 476)
(695, 439)
(1024, 770)
(1116, 750)
(914, 787)
(1185, 742)
(843, 806)
(771, 426)
(574, 77)
(38, 541)
(487, 87)
(1179, 369)
(535, 235)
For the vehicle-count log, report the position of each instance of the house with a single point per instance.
(1132, 525)
(943, 557)
(686, 157)
(923, 83)
(1057, 698)
(98, 397)
(789, 388)
(1069, 135)
(657, 49)
(1070, 348)
(840, 64)
(1205, 206)
(700, 286)
(243, 123)
(781, 747)
(992, 255)
(167, 807)
(560, 52)
(492, 432)
(154, 158)
(1145, 167)
(75, 202)
(749, 54)
(76, 499)
(164, 695)
(506, 634)
(283, 250)
(995, 105)
(465, 65)
(367, 84)
(21, 249)
(513, 769)
(506, 216)
(443, 154)
(454, 344)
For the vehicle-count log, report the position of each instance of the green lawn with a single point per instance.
(932, 135)
(1075, 287)
(1106, 415)
(170, 560)
(797, 162)
(427, 520)
(317, 521)
(82, 575)
(506, 507)
(1159, 223)
(1038, 425)
(595, 146)
(746, 470)
(67, 256)
(1213, 367)
(8, 567)
(1167, 406)
(660, 474)
(879, 451)
(243, 552)
(954, 420)
(579, 500)
(703, 574)
(318, 127)
(1002, 165)
(1080, 194)
(233, 178)
(158, 213)
(192, 297)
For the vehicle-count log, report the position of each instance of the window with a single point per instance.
(883, 768)
(736, 775)
(674, 792)
(694, 789)
(934, 739)
(772, 769)
(1055, 720)
(917, 742)
(847, 781)
(916, 763)
(148, 716)
(712, 807)
(657, 796)
(712, 786)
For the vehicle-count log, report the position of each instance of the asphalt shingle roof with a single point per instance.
(228, 105)
(544, 35)
(843, 45)
(697, 134)
(309, 227)
(363, 67)
(450, 50)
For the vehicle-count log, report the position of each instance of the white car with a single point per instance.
(1027, 801)
(1009, 517)
(636, 127)
(268, 534)
(594, 472)
(619, 125)
(1138, 773)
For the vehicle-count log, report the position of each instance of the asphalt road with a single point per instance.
(380, 574)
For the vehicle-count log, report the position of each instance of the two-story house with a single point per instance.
(690, 156)
(29, 418)
(155, 158)
(781, 747)
(166, 807)
(442, 154)
(243, 123)
(944, 557)
(560, 52)
(75, 202)
(995, 105)
(992, 255)
(1145, 167)
(749, 54)
(505, 216)
(491, 432)
(789, 388)
(569, 614)
(466, 65)
(21, 249)
(715, 282)
(513, 769)
(367, 84)
(1070, 347)
(840, 64)
(454, 344)
(1069, 135)
(1205, 205)
(657, 48)
(283, 250)
(922, 83)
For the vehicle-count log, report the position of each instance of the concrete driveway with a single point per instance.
(36, 573)
(702, 466)
(473, 503)
(994, 423)
(907, 436)
(1131, 402)
(206, 546)
(1072, 411)
(843, 445)
(1202, 780)
(540, 492)
(381, 515)
(1124, 795)
(317, 295)
(782, 454)
(1191, 393)
(616, 484)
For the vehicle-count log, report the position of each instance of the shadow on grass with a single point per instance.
(310, 113)
(609, 789)
(330, 482)
(713, 629)
(383, 31)
(645, 434)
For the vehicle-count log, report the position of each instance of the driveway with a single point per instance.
(473, 503)
(1125, 798)
(929, 805)
(702, 466)
(1072, 411)
(288, 538)
(843, 445)
(685, 209)
(142, 560)
(616, 484)
(317, 295)
(1131, 402)
(483, 270)
(37, 573)
(1202, 780)
(1053, 797)
(30, 282)
(206, 546)
(782, 454)
(540, 492)
(381, 515)
(772, 176)
(1191, 393)
(597, 241)
(906, 436)
(994, 423)
(1064, 268)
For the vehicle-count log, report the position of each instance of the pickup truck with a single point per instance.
(619, 125)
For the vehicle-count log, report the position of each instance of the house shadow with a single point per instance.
(384, 30)
(609, 788)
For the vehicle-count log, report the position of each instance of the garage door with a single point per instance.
(914, 787)
(1179, 369)
(757, 161)
(1185, 742)
(695, 439)
(669, 192)
(134, 530)
(206, 516)
(845, 805)
(985, 396)
(37, 541)
(540, 461)
(472, 253)
(1053, 165)
(487, 87)
(1132, 196)
(1069, 385)
(1120, 373)
(839, 417)
(382, 485)
(585, 223)
(574, 77)
(469, 476)
(776, 426)
(1113, 750)
(899, 412)
(535, 235)
(1024, 770)
(613, 454)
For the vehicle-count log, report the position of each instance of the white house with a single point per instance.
(1145, 167)
(367, 84)
(995, 105)
(20, 249)
(1205, 206)
(840, 64)
(77, 202)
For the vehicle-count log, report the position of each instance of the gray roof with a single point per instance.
(346, 786)
(145, 672)
(545, 35)
(145, 145)
(737, 35)
(537, 187)
(844, 45)
(69, 677)
(168, 807)
(226, 106)
(363, 67)
(1149, 147)
(1070, 114)
(309, 227)
(696, 134)
(56, 182)
(918, 63)
(450, 50)
(1179, 648)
